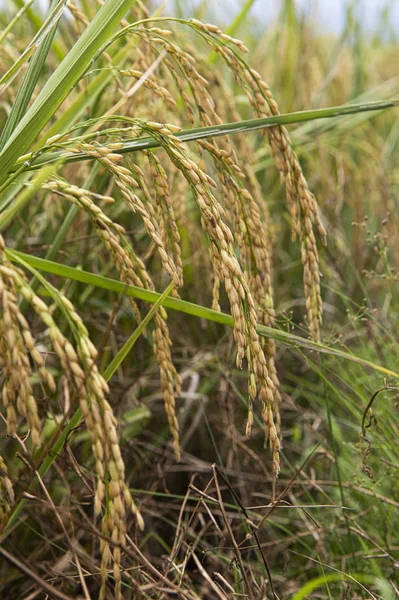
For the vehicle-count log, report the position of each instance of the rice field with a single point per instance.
(199, 358)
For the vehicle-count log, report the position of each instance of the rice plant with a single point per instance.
(151, 196)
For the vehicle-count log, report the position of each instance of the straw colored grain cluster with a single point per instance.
(86, 383)
(133, 271)
(240, 190)
(144, 207)
(234, 219)
(146, 189)
(302, 205)
(229, 271)
(301, 202)
(17, 346)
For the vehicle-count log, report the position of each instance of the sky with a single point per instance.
(330, 14)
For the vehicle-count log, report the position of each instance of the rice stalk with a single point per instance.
(218, 175)
(132, 271)
(249, 284)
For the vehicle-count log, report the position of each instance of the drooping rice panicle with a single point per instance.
(79, 364)
(133, 271)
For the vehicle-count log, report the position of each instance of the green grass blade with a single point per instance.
(318, 582)
(37, 40)
(201, 133)
(15, 20)
(239, 19)
(7, 197)
(30, 80)
(62, 80)
(124, 351)
(188, 308)
(36, 23)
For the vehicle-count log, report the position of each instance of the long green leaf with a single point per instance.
(14, 20)
(36, 41)
(29, 82)
(36, 22)
(60, 83)
(201, 133)
(318, 582)
(189, 308)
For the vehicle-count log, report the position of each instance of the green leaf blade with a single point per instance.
(60, 83)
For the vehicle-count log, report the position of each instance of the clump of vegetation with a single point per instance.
(141, 153)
